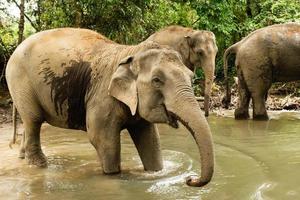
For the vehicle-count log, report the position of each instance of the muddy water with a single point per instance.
(254, 160)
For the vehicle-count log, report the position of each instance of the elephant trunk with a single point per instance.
(186, 109)
(209, 72)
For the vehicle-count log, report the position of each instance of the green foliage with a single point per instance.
(220, 17)
(122, 21)
(278, 12)
(132, 21)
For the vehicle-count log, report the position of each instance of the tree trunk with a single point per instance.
(21, 21)
(37, 28)
(78, 15)
(248, 9)
(38, 15)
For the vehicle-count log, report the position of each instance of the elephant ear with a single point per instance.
(190, 41)
(184, 48)
(123, 85)
(185, 51)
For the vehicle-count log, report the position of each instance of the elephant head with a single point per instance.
(156, 85)
(199, 49)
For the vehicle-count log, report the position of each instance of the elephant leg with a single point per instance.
(32, 144)
(259, 107)
(105, 137)
(31, 115)
(242, 112)
(146, 139)
(258, 85)
(22, 147)
(107, 145)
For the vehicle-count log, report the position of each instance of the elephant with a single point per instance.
(265, 56)
(78, 79)
(196, 47)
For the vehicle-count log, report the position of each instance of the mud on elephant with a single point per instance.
(82, 80)
(197, 48)
(267, 55)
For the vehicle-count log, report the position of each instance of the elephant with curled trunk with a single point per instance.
(78, 79)
(197, 48)
(267, 55)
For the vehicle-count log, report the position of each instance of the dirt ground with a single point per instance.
(281, 97)
(5, 106)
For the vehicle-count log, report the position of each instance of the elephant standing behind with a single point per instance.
(78, 79)
(197, 48)
(267, 55)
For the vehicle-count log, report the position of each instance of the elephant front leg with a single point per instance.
(146, 139)
(242, 112)
(107, 144)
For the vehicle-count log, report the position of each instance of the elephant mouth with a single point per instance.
(172, 119)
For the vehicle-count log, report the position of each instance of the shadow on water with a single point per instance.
(254, 160)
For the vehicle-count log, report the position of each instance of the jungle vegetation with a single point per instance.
(132, 21)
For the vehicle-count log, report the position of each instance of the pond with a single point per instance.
(254, 160)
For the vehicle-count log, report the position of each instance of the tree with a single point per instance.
(21, 21)
(132, 21)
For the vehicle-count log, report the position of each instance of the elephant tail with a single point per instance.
(14, 120)
(231, 50)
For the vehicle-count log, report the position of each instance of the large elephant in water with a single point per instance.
(267, 55)
(78, 79)
(197, 48)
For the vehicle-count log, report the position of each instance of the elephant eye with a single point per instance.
(156, 82)
(200, 53)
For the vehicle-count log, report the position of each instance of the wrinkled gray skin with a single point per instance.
(268, 55)
(78, 79)
(197, 48)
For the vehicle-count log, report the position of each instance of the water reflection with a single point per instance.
(254, 160)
